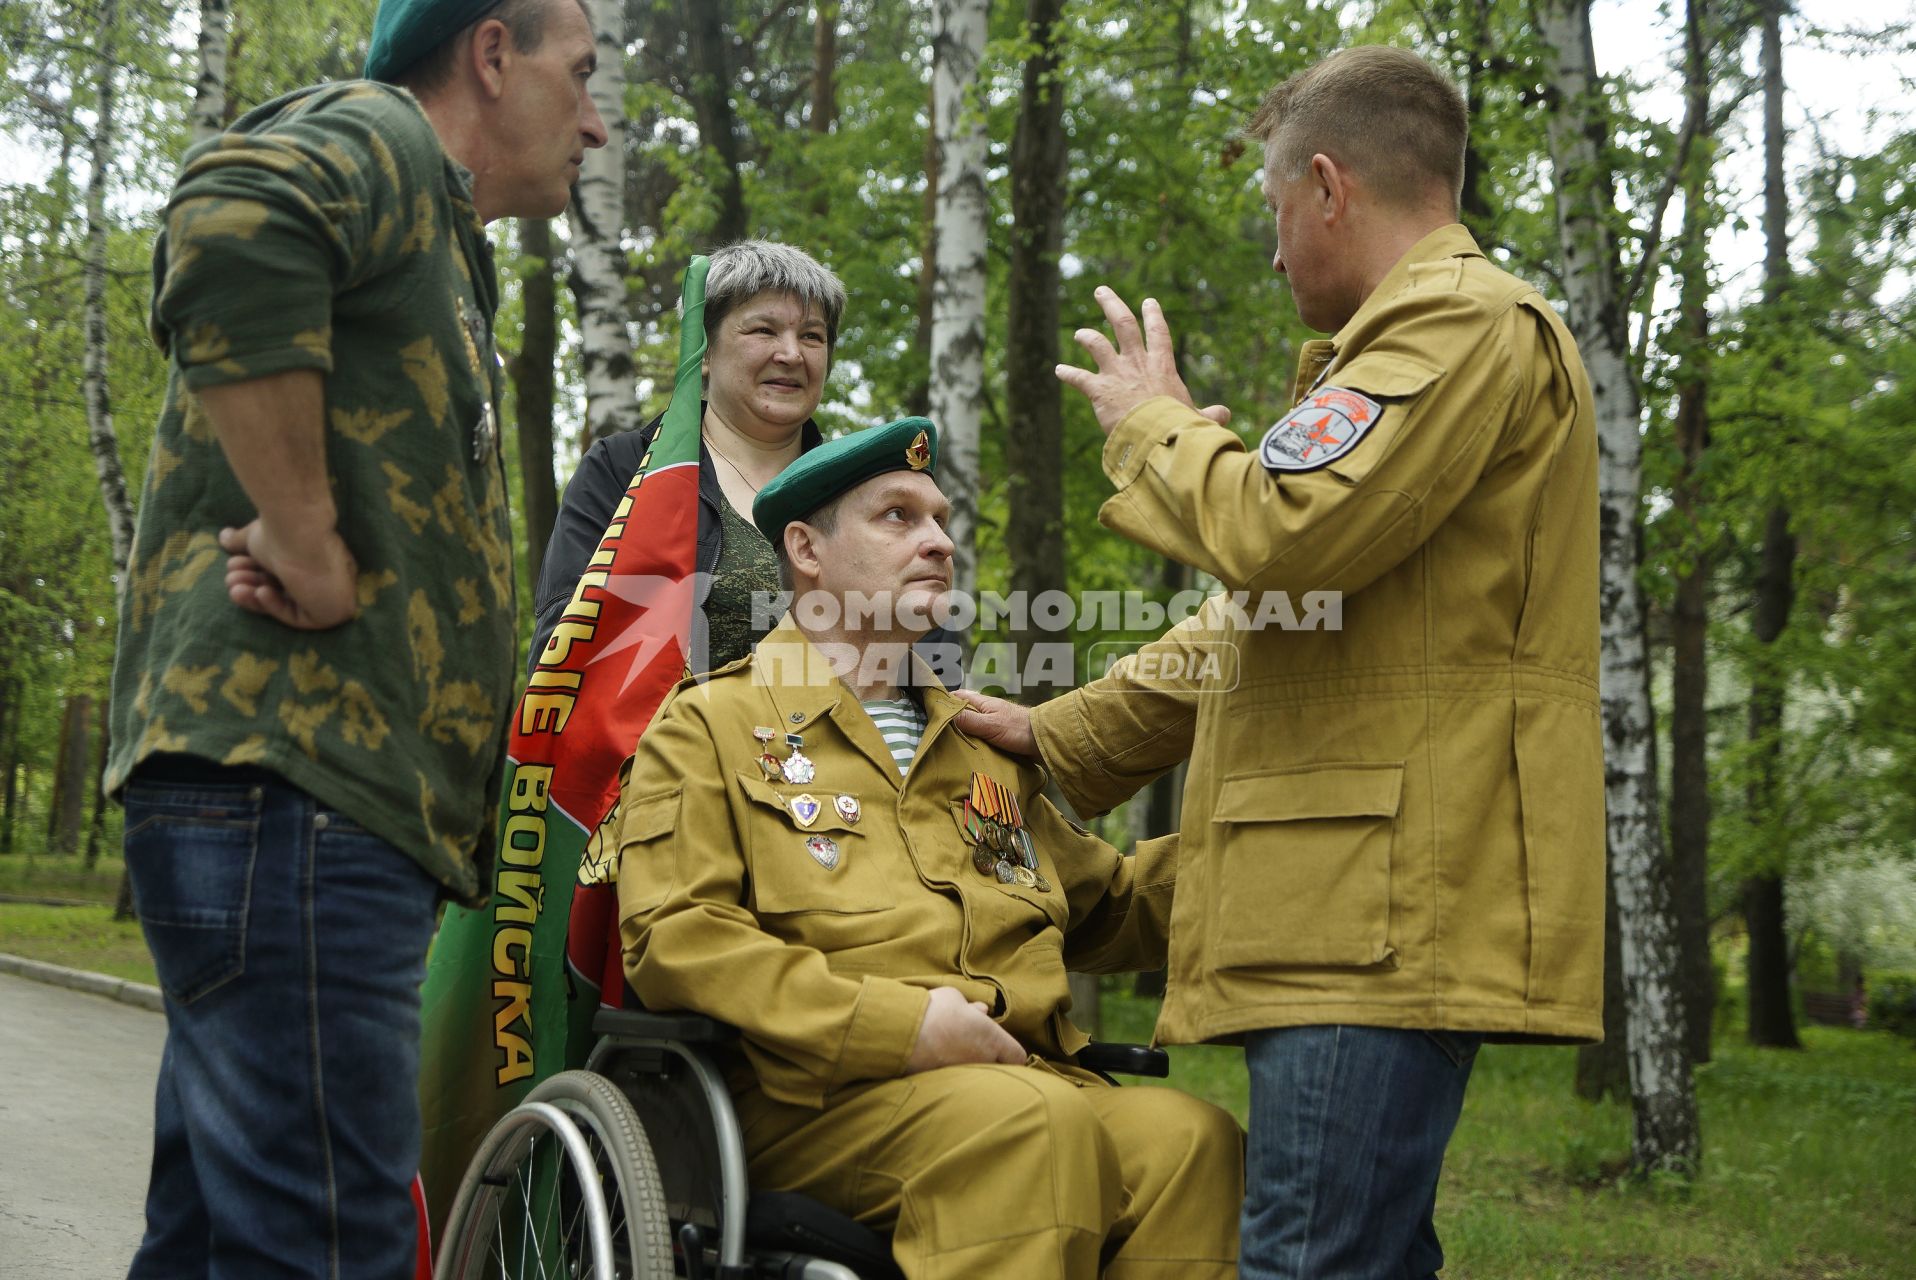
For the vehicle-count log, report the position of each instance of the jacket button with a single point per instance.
(798, 717)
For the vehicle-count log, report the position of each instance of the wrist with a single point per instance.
(301, 525)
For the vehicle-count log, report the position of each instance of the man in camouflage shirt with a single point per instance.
(315, 658)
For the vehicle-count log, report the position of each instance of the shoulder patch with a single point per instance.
(1326, 425)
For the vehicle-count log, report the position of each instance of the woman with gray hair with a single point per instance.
(771, 324)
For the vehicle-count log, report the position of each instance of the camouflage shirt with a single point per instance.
(329, 230)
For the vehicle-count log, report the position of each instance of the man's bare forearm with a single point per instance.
(290, 563)
(273, 432)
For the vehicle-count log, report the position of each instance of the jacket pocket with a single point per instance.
(1047, 899)
(645, 872)
(799, 866)
(1305, 869)
(1395, 378)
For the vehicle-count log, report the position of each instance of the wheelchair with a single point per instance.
(634, 1169)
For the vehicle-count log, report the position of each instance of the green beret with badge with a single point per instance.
(404, 31)
(838, 466)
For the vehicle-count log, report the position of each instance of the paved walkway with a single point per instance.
(76, 1122)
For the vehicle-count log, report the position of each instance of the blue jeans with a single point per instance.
(1348, 1130)
(290, 943)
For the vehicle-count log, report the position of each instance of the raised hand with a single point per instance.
(1141, 366)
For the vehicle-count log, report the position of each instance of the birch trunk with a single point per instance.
(1661, 1085)
(1772, 1022)
(958, 289)
(99, 412)
(598, 243)
(918, 402)
(208, 116)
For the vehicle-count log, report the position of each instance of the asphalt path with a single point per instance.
(76, 1130)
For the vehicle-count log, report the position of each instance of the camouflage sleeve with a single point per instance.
(266, 228)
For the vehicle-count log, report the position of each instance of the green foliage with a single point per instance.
(1805, 1171)
(1892, 1003)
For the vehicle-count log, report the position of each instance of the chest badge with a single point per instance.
(1326, 424)
(805, 809)
(824, 851)
(848, 809)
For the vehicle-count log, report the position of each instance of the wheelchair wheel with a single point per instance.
(564, 1185)
(635, 1198)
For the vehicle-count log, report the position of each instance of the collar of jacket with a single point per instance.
(803, 687)
(1449, 241)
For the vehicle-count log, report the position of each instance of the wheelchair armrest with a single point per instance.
(1125, 1059)
(686, 1028)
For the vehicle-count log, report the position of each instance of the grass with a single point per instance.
(31, 875)
(79, 937)
(1807, 1169)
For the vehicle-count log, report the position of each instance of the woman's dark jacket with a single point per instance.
(593, 494)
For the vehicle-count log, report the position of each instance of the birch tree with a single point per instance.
(958, 287)
(99, 412)
(598, 243)
(1662, 1088)
(208, 115)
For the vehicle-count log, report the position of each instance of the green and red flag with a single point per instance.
(500, 1013)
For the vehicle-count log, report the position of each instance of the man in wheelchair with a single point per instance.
(885, 908)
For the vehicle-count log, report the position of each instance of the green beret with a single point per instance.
(909, 444)
(404, 31)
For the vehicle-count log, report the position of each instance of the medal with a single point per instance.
(797, 769)
(805, 809)
(774, 771)
(485, 435)
(848, 809)
(824, 851)
(1001, 843)
(764, 732)
(485, 432)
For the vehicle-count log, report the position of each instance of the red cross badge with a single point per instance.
(1326, 425)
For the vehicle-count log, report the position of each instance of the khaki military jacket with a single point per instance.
(1399, 822)
(822, 954)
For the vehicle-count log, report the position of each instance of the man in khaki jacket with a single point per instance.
(1393, 832)
(885, 908)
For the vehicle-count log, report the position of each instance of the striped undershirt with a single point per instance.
(901, 722)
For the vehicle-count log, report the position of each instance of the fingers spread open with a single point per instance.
(1123, 323)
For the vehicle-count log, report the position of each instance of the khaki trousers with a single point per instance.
(1029, 1172)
